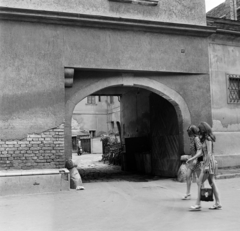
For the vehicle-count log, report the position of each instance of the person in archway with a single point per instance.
(208, 166)
(79, 147)
(193, 167)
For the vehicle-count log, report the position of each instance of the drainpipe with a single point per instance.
(231, 8)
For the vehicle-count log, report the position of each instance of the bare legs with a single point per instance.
(212, 183)
(188, 180)
(199, 182)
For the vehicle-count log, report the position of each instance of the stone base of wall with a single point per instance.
(225, 161)
(17, 182)
(36, 151)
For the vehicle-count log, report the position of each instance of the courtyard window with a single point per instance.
(233, 88)
(112, 124)
(92, 133)
(91, 100)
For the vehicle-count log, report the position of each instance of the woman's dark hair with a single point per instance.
(206, 131)
(192, 129)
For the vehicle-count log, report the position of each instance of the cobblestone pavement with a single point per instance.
(92, 169)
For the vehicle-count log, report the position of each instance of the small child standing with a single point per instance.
(75, 178)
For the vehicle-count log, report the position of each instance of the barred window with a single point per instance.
(91, 100)
(233, 88)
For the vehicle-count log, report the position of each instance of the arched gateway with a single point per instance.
(164, 46)
(175, 104)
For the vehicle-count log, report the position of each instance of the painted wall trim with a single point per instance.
(83, 20)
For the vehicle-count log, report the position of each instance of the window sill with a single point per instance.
(140, 2)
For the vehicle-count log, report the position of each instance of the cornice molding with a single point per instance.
(83, 20)
(225, 26)
(228, 32)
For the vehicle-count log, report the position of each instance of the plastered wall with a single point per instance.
(184, 11)
(31, 79)
(33, 97)
(224, 59)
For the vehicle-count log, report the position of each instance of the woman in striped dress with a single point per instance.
(208, 166)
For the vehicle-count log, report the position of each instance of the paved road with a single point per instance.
(121, 204)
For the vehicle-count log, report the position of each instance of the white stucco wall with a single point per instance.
(224, 59)
(184, 11)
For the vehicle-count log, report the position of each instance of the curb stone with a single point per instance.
(227, 176)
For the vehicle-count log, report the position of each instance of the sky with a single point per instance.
(212, 3)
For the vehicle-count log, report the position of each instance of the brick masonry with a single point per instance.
(37, 151)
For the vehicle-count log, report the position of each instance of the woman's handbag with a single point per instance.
(206, 194)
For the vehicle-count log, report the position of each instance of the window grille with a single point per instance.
(233, 88)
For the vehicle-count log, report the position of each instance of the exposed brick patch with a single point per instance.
(36, 151)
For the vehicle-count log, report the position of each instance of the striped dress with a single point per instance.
(209, 162)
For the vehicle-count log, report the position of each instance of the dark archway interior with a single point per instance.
(158, 152)
(164, 137)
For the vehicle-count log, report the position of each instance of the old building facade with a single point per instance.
(161, 57)
(224, 77)
(97, 115)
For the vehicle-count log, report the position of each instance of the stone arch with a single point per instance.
(152, 85)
